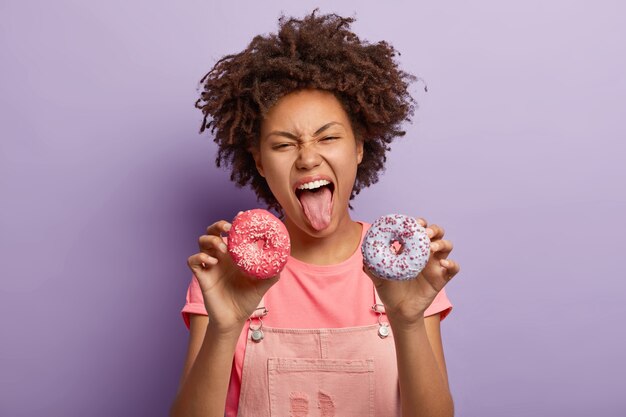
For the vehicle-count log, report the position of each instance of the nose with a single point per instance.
(308, 157)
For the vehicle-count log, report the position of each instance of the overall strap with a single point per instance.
(378, 306)
(260, 311)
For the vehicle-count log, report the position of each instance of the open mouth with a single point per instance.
(314, 187)
(316, 199)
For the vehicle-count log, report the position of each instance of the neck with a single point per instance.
(332, 247)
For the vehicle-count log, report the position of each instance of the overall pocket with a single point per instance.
(320, 387)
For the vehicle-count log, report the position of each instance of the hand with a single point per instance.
(230, 295)
(406, 301)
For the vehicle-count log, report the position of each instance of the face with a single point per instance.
(309, 156)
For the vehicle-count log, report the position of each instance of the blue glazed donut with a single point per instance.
(379, 255)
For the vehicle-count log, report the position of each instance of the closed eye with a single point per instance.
(281, 146)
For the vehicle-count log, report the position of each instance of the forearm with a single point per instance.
(203, 393)
(423, 389)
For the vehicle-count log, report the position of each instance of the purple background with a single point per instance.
(517, 151)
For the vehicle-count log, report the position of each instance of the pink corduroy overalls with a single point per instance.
(335, 372)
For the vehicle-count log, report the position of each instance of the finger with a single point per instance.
(441, 246)
(210, 243)
(201, 261)
(451, 266)
(218, 228)
(422, 222)
(434, 232)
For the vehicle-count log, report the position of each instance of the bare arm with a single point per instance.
(204, 383)
(421, 369)
(197, 329)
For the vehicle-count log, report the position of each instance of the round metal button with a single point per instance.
(257, 335)
(383, 331)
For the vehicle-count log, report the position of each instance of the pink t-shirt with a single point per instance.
(310, 296)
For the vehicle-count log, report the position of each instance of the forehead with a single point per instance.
(304, 112)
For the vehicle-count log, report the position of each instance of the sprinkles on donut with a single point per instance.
(259, 243)
(379, 255)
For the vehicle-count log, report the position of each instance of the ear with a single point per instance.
(359, 151)
(256, 154)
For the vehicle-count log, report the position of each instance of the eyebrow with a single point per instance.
(295, 137)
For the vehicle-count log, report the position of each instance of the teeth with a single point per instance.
(313, 185)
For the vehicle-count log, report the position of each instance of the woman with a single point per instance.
(305, 117)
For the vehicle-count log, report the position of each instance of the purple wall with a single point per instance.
(517, 149)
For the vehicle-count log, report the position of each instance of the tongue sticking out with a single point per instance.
(317, 205)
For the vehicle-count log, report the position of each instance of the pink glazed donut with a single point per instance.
(259, 243)
(381, 258)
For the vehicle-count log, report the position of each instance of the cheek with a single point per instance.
(345, 168)
(277, 175)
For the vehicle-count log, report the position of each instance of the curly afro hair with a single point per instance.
(317, 52)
